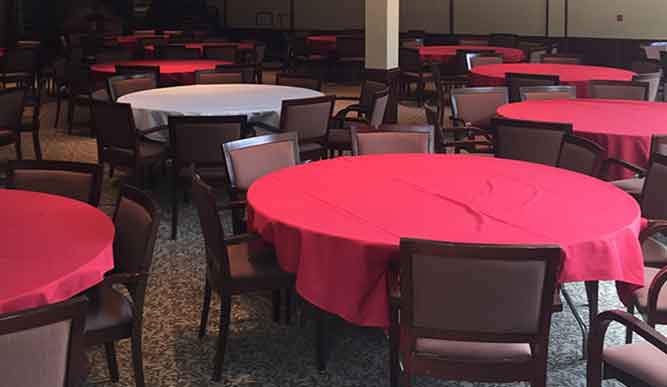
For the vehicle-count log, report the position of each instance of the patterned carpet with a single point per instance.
(259, 352)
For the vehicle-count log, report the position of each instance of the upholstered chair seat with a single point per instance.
(642, 360)
(475, 352)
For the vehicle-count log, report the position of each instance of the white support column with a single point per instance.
(382, 30)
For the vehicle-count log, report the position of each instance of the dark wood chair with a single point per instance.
(515, 81)
(394, 139)
(581, 155)
(654, 81)
(414, 71)
(18, 66)
(536, 93)
(298, 80)
(80, 181)
(235, 265)
(340, 139)
(177, 52)
(480, 59)
(637, 365)
(532, 141)
(635, 184)
(300, 58)
(629, 90)
(222, 52)
(80, 88)
(351, 53)
(456, 138)
(120, 85)
(195, 143)
(476, 106)
(31, 117)
(226, 75)
(310, 119)
(561, 58)
(12, 103)
(121, 144)
(44, 346)
(504, 40)
(437, 278)
(113, 316)
(364, 101)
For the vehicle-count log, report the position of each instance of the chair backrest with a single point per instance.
(659, 144)
(478, 59)
(177, 51)
(309, 117)
(655, 188)
(515, 81)
(298, 80)
(533, 93)
(378, 108)
(19, 60)
(533, 141)
(134, 70)
(630, 90)
(120, 85)
(645, 67)
(433, 111)
(394, 139)
(217, 258)
(653, 80)
(504, 40)
(581, 155)
(476, 106)
(114, 126)
(222, 52)
(248, 71)
(409, 60)
(561, 58)
(475, 280)
(197, 139)
(351, 46)
(43, 347)
(368, 90)
(251, 158)
(136, 219)
(12, 102)
(80, 181)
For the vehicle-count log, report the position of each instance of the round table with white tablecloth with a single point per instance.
(260, 103)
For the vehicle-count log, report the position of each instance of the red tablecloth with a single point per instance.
(337, 223)
(133, 39)
(575, 75)
(52, 249)
(447, 53)
(624, 128)
(171, 71)
(324, 44)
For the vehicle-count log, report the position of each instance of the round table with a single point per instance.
(337, 223)
(623, 128)
(53, 248)
(447, 53)
(200, 46)
(261, 103)
(575, 75)
(171, 71)
(325, 44)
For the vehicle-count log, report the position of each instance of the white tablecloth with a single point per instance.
(260, 103)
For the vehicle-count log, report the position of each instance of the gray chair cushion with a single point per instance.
(632, 186)
(476, 352)
(641, 295)
(641, 360)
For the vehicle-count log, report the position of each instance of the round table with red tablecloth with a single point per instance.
(200, 46)
(337, 223)
(623, 128)
(171, 71)
(574, 75)
(52, 249)
(447, 53)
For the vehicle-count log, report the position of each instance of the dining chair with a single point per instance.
(298, 80)
(561, 58)
(75, 180)
(114, 315)
(120, 85)
(628, 90)
(364, 101)
(225, 52)
(225, 75)
(195, 142)
(536, 93)
(653, 80)
(394, 139)
(456, 137)
(436, 278)
(645, 66)
(177, 52)
(480, 59)
(18, 67)
(43, 347)
(504, 40)
(515, 81)
(80, 90)
(581, 155)
(351, 52)
(339, 137)
(637, 365)
(12, 103)
(413, 71)
(111, 55)
(476, 106)
(531, 141)
(236, 264)
(634, 185)
(31, 117)
(121, 144)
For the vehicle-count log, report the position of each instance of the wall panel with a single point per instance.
(428, 15)
(523, 17)
(329, 14)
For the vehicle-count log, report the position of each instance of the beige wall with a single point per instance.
(523, 17)
(329, 15)
(642, 19)
(243, 13)
(428, 15)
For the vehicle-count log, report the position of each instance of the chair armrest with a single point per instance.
(125, 278)
(266, 127)
(654, 291)
(356, 108)
(233, 205)
(242, 238)
(639, 171)
(653, 227)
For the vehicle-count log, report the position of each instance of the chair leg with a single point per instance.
(206, 307)
(70, 115)
(225, 312)
(394, 337)
(275, 298)
(19, 150)
(174, 205)
(628, 332)
(58, 105)
(36, 144)
(592, 295)
(288, 305)
(137, 360)
(112, 362)
(321, 349)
